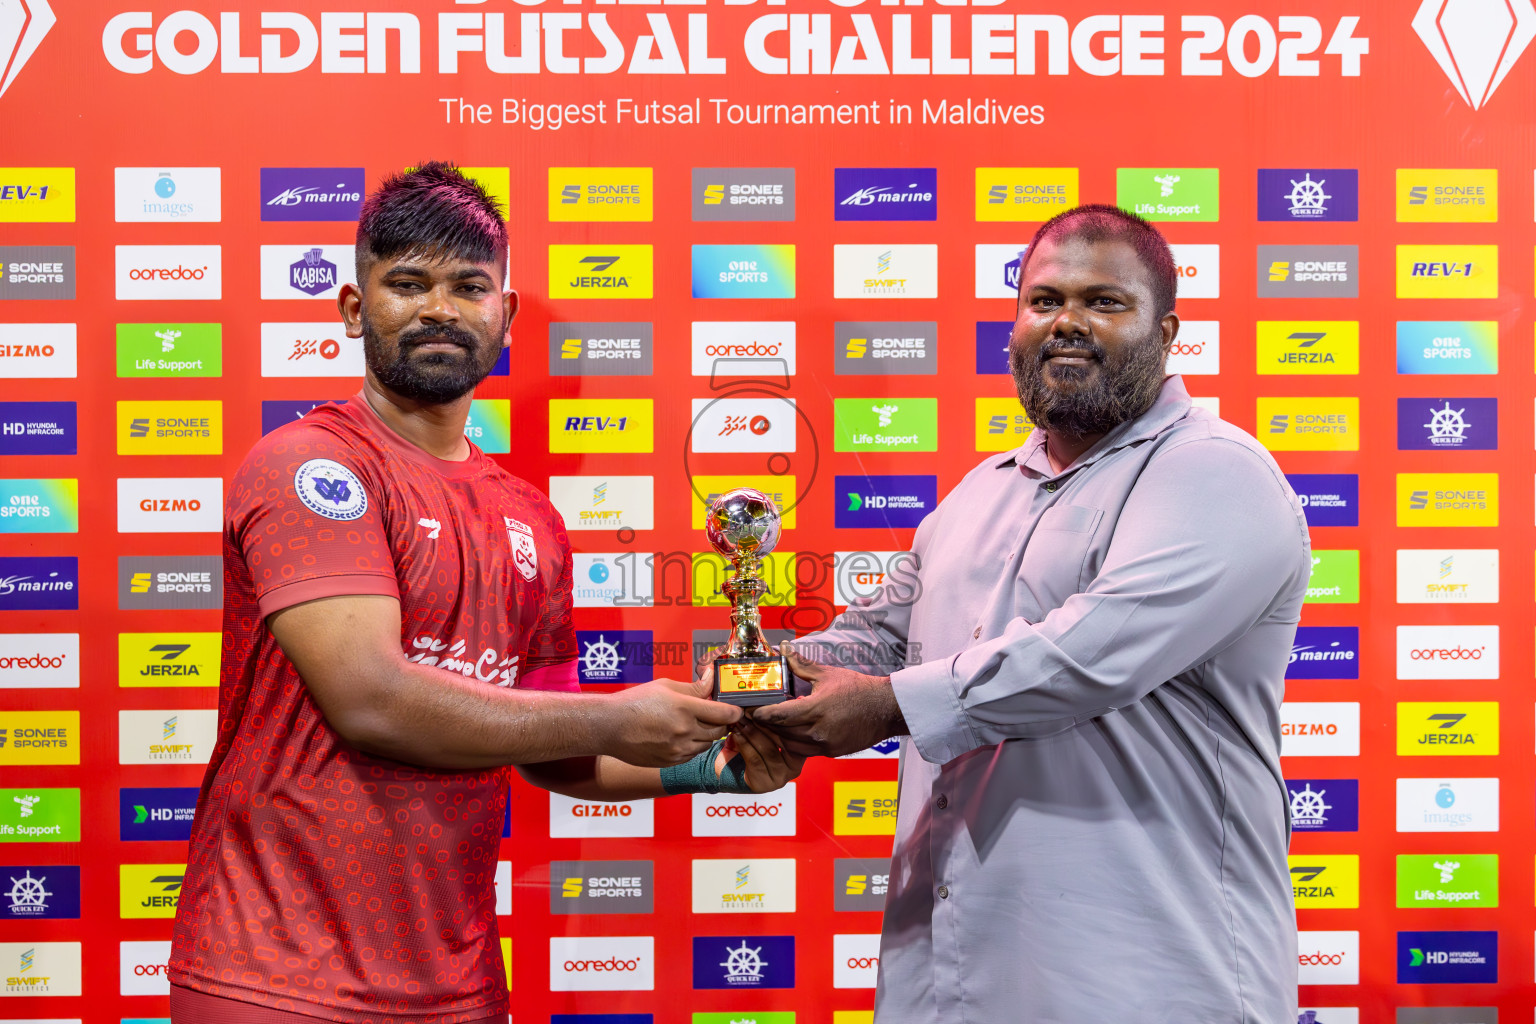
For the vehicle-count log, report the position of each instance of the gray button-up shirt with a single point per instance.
(1092, 824)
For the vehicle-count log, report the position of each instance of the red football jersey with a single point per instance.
(321, 879)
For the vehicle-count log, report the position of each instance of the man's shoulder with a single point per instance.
(1204, 434)
(529, 501)
(325, 431)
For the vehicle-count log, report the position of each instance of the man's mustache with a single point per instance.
(445, 332)
(1056, 346)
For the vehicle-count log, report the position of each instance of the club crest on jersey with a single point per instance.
(331, 490)
(525, 554)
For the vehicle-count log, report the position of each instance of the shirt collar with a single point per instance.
(1172, 405)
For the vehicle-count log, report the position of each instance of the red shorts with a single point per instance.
(189, 1006)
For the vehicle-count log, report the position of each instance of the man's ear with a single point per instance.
(1170, 328)
(350, 302)
(510, 303)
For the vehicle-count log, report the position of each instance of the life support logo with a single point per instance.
(331, 490)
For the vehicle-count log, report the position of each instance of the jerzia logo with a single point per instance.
(23, 24)
(1475, 48)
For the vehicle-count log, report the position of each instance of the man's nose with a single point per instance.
(438, 306)
(1071, 322)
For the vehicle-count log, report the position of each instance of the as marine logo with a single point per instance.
(331, 490)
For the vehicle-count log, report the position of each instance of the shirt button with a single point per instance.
(1051, 486)
(942, 801)
(976, 633)
(943, 892)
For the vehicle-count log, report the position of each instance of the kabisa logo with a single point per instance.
(1309, 424)
(39, 584)
(1169, 193)
(305, 271)
(885, 193)
(743, 961)
(38, 272)
(37, 428)
(600, 349)
(156, 813)
(32, 892)
(312, 273)
(614, 656)
(1024, 193)
(1313, 347)
(1324, 805)
(27, 22)
(1447, 271)
(885, 271)
(601, 886)
(883, 501)
(1447, 728)
(1308, 271)
(311, 193)
(1325, 881)
(1447, 499)
(331, 490)
(864, 808)
(1475, 47)
(1447, 805)
(744, 193)
(998, 266)
(602, 964)
(883, 347)
(601, 194)
(1325, 652)
(601, 272)
(1447, 424)
(37, 195)
(743, 271)
(1431, 958)
(1448, 346)
(1309, 194)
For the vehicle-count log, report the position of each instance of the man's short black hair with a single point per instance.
(433, 211)
(1096, 222)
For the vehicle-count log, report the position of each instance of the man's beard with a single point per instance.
(1124, 387)
(435, 378)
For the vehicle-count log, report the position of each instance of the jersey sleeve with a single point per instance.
(551, 663)
(306, 514)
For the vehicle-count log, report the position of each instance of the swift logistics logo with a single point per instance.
(40, 506)
(570, 818)
(170, 581)
(168, 195)
(179, 272)
(39, 815)
(37, 351)
(1448, 880)
(860, 883)
(170, 504)
(601, 194)
(170, 428)
(170, 350)
(39, 661)
(37, 195)
(1447, 728)
(149, 890)
(306, 271)
(743, 271)
(743, 193)
(885, 193)
(1324, 805)
(743, 962)
(1001, 424)
(1309, 424)
(1028, 194)
(883, 502)
(1308, 346)
(37, 271)
(1308, 271)
(1446, 196)
(1475, 47)
(1443, 958)
(614, 656)
(40, 968)
(1447, 271)
(1325, 881)
(600, 349)
(39, 584)
(23, 24)
(580, 425)
(156, 813)
(885, 424)
(759, 885)
(1448, 576)
(1310, 194)
(1447, 424)
(601, 272)
(1447, 499)
(1169, 193)
(602, 887)
(1325, 652)
(39, 737)
(864, 808)
(311, 193)
(1320, 729)
(1447, 805)
(885, 347)
(1328, 499)
(39, 892)
(1335, 578)
(604, 502)
(168, 659)
(1448, 346)
(166, 736)
(885, 271)
(1447, 652)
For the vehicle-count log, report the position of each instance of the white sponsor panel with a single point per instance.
(306, 271)
(605, 502)
(1210, 405)
(994, 278)
(855, 960)
(885, 750)
(612, 579)
(170, 272)
(743, 348)
(38, 351)
(1330, 1014)
(1447, 652)
(1319, 729)
(745, 814)
(170, 504)
(1447, 805)
(175, 194)
(860, 574)
(310, 350)
(1328, 958)
(1199, 271)
(570, 818)
(885, 271)
(760, 885)
(764, 425)
(1448, 576)
(1197, 349)
(166, 736)
(503, 888)
(40, 661)
(609, 963)
(142, 968)
(40, 969)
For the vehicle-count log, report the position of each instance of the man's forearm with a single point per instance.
(595, 778)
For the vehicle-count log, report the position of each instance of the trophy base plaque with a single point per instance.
(753, 681)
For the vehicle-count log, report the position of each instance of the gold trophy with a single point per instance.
(743, 525)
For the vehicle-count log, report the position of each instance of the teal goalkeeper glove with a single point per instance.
(698, 775)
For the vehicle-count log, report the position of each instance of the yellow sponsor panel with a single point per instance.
(37, 195)
(1024, 193)
(853, 1017)
(1447, 195)
(709, 572)
(1308, 346)
(170, 428)
(39, 737)
(149, 890)
(1325, 881)
(864, 808)
(506, 960)
(1309, 424)
(168, 659)
(495, 180)
(601, 193)
(601, 425)
(1447, 271)
(1001, 424)
(1439, 728)
(601, 272)
(781, 489)
(1447, 499)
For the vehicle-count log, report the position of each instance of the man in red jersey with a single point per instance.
(397, 630)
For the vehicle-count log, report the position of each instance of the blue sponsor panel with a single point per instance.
(614, 656)
(885, 193)
(1325, 652)
(37, 428)
(1328, 499)
(1309, 194)
(1324, 805)
(601, 1018)
(39, 584)
(1447, 424)
(1447, 958)
(992, 345)
(744, 961)
(39, 892)
(1448, 346)
(312, 193)
(503, 367)
(884, 501)
(156, 813)
(277, 414)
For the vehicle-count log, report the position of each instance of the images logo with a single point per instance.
(1319, 729)
(1475, 49)
(743, 193)
(1447, 576)
(170, 350)
(1308, 271)
(754, 814)
(1448, 346)
(39, 661)
(602, 964)
(1325, 652)
(1448, 880)
(1309, 194)
(39, 584)
(743, 271)
(37, 272)
(579, 425)
(885, 271)
(1309, 424)
(1024, 193)
(1448, 196)
(36, 19)
(614, 656)
(37, 428)
(743, 961)
(864, 808)
(1447, 652)
(168, 659)
(601, 886)
(39, 815)
(885, 193)
(1447, 424)
(156, 813)
(600, 349)
(1316, 347)
(1169, 194)
(570, 818)
(170, 272)
(36, 350)
(1447, 805)
(195, 581)
(762, 885)
(1335, 578)
(613, 580)
(1325, 881)
(885, 424)
(1447, 499)
(601, 193)
(1447, 728)
(37, 195)
(601, 272)
(1431, 958)
(168, 194)
(604, 502)
(311, 193)
(860, 883)
(34, 892)
(320, 349)
(170, 428)
(149, 890)
(885, 347)
(1324, 805)
(1447, 271)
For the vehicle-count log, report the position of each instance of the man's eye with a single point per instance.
(1044, 303)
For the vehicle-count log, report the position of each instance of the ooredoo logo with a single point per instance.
(1197, 349)
(602, 964)
(744, 348)
(855, 960)
(1447, 652)
(757, 814)
(1328, 958)
(142, 969)
(170, 272)
(39, 660)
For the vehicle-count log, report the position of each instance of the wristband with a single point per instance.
(698, 775)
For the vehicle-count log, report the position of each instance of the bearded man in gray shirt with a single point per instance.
(1092, 823)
